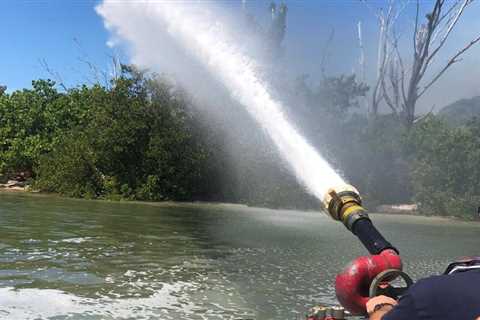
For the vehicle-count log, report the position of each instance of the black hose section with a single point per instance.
(370, 237)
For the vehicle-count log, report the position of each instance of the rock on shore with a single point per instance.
(398, 208)
(14, 185)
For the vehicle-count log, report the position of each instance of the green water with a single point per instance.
(74, 259)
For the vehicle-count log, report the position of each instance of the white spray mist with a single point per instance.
(204, 38)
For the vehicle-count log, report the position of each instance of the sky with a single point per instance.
(62, 33)
(66, 33)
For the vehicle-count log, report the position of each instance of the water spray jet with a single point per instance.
(205, 39)
(202, 34)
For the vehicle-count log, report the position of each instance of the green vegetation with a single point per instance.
(135, 140)
(433, 163)
(142, 138)
(446, 173)
(461, 112)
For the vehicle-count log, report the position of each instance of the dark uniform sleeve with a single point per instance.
(404, 310)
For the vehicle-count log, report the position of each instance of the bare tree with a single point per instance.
(362, 66)
(386, 22)
(54, 74)
(400, 85)
(325, 52)
(361, 58)
(97, 75)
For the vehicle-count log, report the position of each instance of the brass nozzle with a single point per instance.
(344, 204)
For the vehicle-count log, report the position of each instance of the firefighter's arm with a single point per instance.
(403, 309)
(378, 306)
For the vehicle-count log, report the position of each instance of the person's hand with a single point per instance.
(379, 300)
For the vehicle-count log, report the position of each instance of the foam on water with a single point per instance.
(48, 303)
(204, 38)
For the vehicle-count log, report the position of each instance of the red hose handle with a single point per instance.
(353, 283)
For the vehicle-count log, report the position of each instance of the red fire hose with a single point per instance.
(353, 283)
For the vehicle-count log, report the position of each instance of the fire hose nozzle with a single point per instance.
(343, 203)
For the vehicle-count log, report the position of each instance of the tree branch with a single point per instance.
(402, 71)
(387, 98)
(55, 75)
(449, 30)
(325, 52)
(449, 64)
(424, 59)
(416, 28)
(420, 118)
(450, 19)
(362, 51)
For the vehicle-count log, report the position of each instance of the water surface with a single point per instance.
(76, 259)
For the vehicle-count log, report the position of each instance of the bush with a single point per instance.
(70, 169)
(445, 172)
(32, 121)
(138, 140)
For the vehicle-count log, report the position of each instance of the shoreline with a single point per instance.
(13, 185)
(14, 189)
(25, 191)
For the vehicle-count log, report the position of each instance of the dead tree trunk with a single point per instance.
(406, 83)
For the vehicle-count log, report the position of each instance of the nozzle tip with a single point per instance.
(335, 191)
